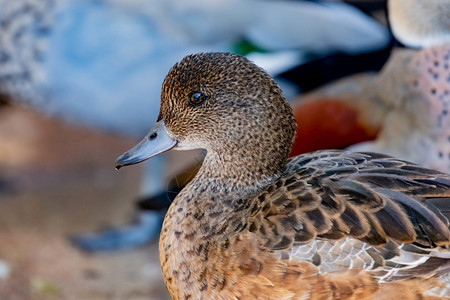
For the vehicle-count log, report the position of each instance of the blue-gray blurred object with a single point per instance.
(146, 228)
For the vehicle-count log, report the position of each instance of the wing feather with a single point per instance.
(381, 203)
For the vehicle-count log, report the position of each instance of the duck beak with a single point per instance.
(155, 142)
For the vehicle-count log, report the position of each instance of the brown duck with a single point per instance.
(253, 224)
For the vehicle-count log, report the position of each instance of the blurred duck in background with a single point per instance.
(406, 106)
(101, 63)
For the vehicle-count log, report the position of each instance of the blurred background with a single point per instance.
(80, 83)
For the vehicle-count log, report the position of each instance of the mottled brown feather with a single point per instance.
(375, 203)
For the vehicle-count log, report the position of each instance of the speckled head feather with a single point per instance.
(232, 86)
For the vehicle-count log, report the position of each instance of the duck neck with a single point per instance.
(226, 184)
(226, 173)
(212, 207)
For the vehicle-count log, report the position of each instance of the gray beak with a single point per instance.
(155, 142)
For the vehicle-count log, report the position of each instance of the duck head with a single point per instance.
(225, 104)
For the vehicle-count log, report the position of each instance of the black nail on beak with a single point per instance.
(124, 156)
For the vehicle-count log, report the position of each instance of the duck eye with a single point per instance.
(196, 98)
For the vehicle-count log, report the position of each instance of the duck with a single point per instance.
(253, 224)
(393, 111)
(413, 92)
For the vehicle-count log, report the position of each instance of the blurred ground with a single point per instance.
(57, 180)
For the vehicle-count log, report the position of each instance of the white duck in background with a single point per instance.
(413, 90)
(101, 63)
(415, 86)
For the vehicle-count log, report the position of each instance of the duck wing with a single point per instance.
(340, 209)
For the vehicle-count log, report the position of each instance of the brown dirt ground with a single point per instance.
(58, 180)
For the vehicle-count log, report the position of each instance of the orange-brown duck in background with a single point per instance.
(254, 225)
